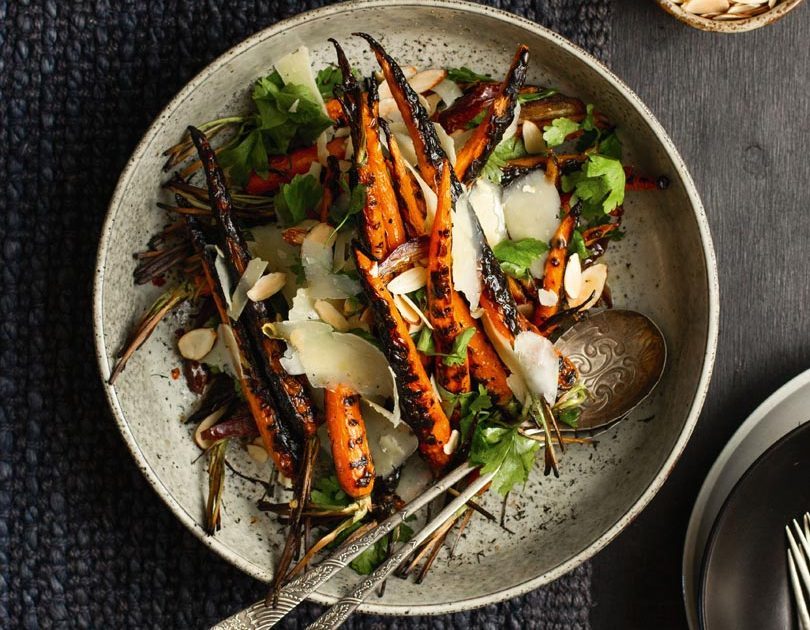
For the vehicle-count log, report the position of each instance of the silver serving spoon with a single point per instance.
(620, 355)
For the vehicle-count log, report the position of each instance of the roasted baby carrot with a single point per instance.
(420, 406)
(284, 167)
(429, 153)
(289, 391)
(279, 440)
(555, 266)
(475, 152)
(413, 202)
(347, 434)
(440, 291)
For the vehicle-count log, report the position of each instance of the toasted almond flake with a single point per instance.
(593, 284)
(267, 286)
(331, 316)
(409, 281)
(367, 317)
(547, 298)
(452, 443)
(207, 422)
(257, 453)
(705, 6)
(254, 270)
(572, 281)
(407, 309)
(384, 89)
(533, 138)
(415, 328)
(426, 80)
(411, 306)
(195, 344)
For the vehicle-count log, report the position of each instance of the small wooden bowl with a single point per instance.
(729, 26)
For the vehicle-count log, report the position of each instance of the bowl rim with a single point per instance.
(730, 26)
(707, 251)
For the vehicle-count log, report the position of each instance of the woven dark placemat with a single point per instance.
(84, 541)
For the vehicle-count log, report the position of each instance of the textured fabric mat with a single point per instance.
(84, 541)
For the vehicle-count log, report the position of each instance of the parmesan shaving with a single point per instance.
(239, 299)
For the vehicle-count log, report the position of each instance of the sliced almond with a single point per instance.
(705, 6)
(195, 344)
(407, 309)
(409, 281)
(572, 281)
(593, 284)
(385, 90)
(331, 315)
(426, 80)
(207, 422)
(257, 453)
(432, 101)
(412, 305)
(267, 286)
(533, 138)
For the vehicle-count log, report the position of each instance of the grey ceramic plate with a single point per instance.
(664, 268)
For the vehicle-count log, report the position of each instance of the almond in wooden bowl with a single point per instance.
(728, 16)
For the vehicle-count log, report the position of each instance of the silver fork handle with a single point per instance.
(260, 616)
(338, 613)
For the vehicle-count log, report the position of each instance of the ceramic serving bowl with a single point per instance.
(720, 25)
(665, 268)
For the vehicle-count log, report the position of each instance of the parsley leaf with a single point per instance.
(472, 406)
(327, 79)
(599, 185)
(348, 206)
(425, 343)
(516, 257)
(458, 354)
(285, 115)
(496, 446)
(505, 151)
(293, 200)
(326, 493)
(568, 408)
(465, 75)
(611, 146)
(528, 97)
(559, 129)
(577, 245)
(373, 556)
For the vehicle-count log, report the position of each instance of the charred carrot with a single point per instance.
(413, 202)
(419, 403)
(555, 266)
(289, 391)
(468, 106)
(475, 152)
(382, 228)
(381, 200)
(347, 434)
(440, 291)
(282, 444)
(284, 167)
(594, 234)
(429, 153)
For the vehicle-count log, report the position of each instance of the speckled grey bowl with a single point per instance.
(665, 268)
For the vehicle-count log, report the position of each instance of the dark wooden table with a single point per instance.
(737, 108)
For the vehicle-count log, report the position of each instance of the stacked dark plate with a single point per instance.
(735, 571)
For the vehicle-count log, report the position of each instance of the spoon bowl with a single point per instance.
(620, 355)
